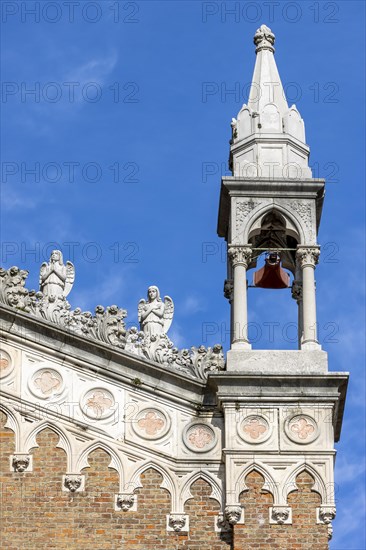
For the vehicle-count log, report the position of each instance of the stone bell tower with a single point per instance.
(283, 409)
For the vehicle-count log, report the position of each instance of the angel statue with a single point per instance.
(56, 279)
(155, 316)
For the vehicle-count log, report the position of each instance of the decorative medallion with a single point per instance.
(98, 403)
(6, 364)
(302, 429)
(254, 429)
(199, 437)
(46, 382)
(151, 424)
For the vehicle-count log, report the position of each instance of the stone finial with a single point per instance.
(264, 39)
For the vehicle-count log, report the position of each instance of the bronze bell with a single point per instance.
(271, 275)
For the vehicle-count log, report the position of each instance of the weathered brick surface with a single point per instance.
(303, 534)
(37, 514)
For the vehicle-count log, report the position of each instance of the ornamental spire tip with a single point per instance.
(264, 39)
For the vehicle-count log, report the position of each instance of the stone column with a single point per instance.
(240, 257)
(307, 257)
(229, 295)
(296, 292)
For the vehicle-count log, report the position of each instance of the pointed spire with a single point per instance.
(268, 137)
(266, 83)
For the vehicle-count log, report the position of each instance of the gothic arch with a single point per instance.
(63, 443)
(259, 213)
(12, 423)
(269, 483)
(116, 462)
(168, 482)
(215, 484)
(289, 485)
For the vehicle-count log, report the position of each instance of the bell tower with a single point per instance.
(283, 408)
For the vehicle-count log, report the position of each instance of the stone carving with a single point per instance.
(233, 513)
(56, 279)
(327, 514)
(200, 437)
(98, 403)
(151, 423)
(234, 128)
(125, 501)
(107, 325)
(47, 381)
(155, 316)
(73, 482)
(302, 427)
(5, 363)
(280, 514)
(177, 522)
(304, 211)
(308, 256)
(21, 462)
(223, 524)
(330, 531)
(228, 289)
(296, 291)
(243, 209)
(240, 255)
(254, 427)
(264, 38)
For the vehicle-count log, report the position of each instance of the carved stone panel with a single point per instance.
(98, 403)
(6, 363)
(46, 383)
(151, 423)
(199, 437)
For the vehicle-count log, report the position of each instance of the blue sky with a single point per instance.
(127, 136)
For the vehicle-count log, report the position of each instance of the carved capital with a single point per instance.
(240, 255)
(21, 462)
(327, 514)
(228, 289)
(307, 256)
(233, 513)
(177, 522)
(73, 482)
(296, 291)
(125, 501)
(280, 514)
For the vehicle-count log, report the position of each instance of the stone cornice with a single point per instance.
(100, 358)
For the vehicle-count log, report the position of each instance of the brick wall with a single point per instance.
(303, 534)
(37, 514)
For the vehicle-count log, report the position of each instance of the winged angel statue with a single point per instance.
(155, 316)
(56, 279)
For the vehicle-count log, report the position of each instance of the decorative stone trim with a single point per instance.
(326, 514)
(73, 483)
(240, 255)
(199, 437)
(280, 515)
(151, 423)
(254, 429)
(177, 522)
(6, 363)
(234, 514)
(21, 462)
(229, 289)
(301, 429)
(126, 502)
(46, 383)
(296, 291)
(98, 404)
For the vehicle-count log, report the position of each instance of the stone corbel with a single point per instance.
(280, 515)
(221, 524)
(73, 483)
(234, 513)
(126, 502)
(326, 514)
(177, 522)
(21, 462)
